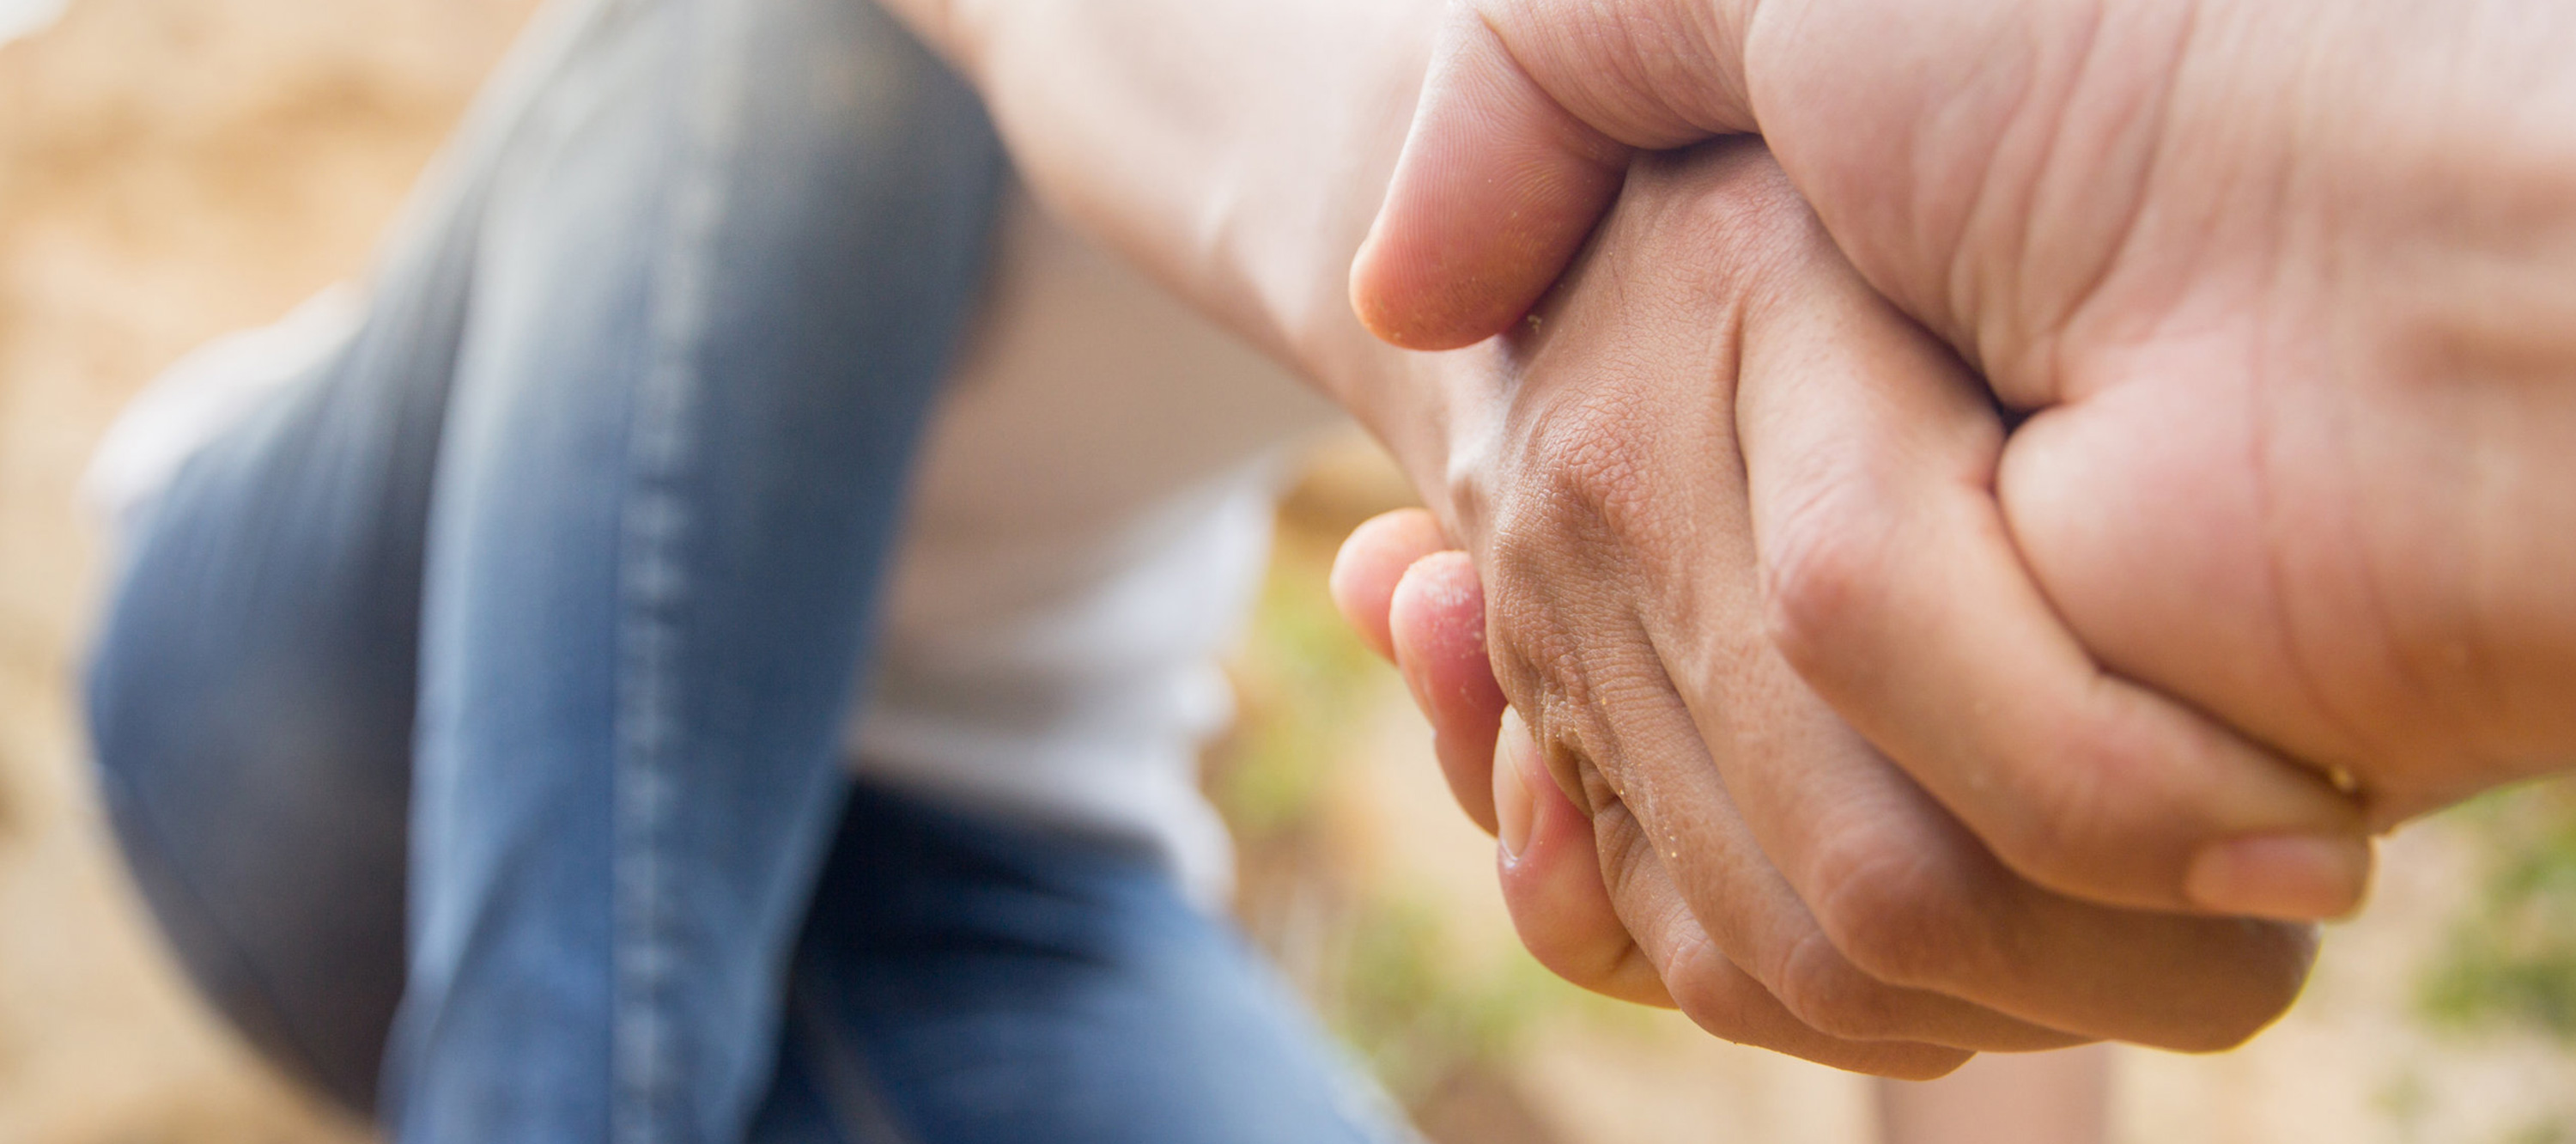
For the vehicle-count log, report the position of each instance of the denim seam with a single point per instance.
(647, 1057)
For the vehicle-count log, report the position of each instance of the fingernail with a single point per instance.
(1513, 806)
(2282, 876)
(1416, 682)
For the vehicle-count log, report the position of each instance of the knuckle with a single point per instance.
(1737, 200)
(1562, 525)
(1585, 479)
(2070, 790)
(1528, 638)
(1549, 679)
(1601, 796)
(1823, 988)
(1709, 990)
(1824, 565)
(1626, 860)
(1897, 914)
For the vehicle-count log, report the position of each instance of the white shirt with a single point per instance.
(1090, 523)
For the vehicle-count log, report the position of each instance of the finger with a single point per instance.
(1436, 619)
(1495, 188)
(1518, 145)
(1731, 763)
(1424, 608)
(1370, 563)
(1551, 879)
(1763, 923)
(1910, 898)
(1899, 888)
(1713, 990)
(1599, 405)
(1893, 586)
(1570, 923)
(1550, 870)
(1704, 849)
(1583, 549)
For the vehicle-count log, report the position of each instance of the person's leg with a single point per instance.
(250, 701)
(250, 691)
(2062, 1097)
(963, 981)
(714, 293)
(701, 263)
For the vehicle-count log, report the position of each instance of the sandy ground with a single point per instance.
(170, 169)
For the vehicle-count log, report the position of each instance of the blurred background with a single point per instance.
(174, 169)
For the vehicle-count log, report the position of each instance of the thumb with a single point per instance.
(1519, 144)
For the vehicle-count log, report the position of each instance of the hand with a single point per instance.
(1415, 599)
(1752, 855)
(1239, 150)
(2289, 287)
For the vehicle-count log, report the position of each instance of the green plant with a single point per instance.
(1375, 959)
(1405, 1004)
(2510, 958)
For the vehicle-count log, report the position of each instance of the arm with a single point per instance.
(2286, 287)
(1238, 150)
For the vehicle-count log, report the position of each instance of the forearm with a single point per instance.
(1236, 149)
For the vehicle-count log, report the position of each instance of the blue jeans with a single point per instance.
(470, 714)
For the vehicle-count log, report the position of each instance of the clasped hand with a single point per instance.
(1851, 721)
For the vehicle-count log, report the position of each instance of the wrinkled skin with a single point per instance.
(2287, 289)
(1238, 150)
(1703, 826)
